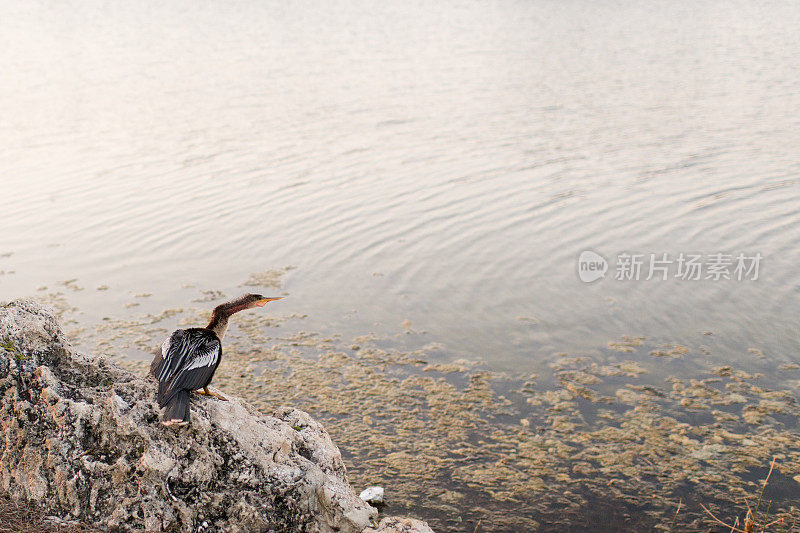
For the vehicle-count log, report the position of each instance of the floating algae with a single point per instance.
(71, 284)
(670, 350)
(210, 296)
(268, 278)
(627, 344)
(600, 444)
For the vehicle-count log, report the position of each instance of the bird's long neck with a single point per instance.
(221, 314)
(219, 323)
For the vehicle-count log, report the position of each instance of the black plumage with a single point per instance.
(189, 357)
(187, 362)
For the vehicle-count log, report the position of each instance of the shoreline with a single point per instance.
(451, 441)
(83, 443)
(462, 446)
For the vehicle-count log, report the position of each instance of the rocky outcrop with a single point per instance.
(82, 439)
(394, 524)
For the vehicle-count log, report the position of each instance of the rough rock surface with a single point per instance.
(394, 524)
(82, 439)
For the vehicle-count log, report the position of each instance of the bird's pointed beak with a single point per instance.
(264, 301)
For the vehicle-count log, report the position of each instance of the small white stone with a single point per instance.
(122, 405)
(372, 495)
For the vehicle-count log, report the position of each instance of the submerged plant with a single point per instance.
(752, 522)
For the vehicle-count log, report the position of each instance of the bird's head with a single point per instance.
(246, 301)
(256, 300)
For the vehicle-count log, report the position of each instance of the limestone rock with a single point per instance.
(82, 439)
(394, 524)
(372, 495)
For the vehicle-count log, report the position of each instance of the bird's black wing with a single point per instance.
(189, 360)
(170, 358)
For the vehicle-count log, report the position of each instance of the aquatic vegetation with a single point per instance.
(627, 344)
(590, 442)
(753, 520)
(270, 278)
(670, 350)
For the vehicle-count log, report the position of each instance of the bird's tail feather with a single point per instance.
(177, 409)
(162, 390)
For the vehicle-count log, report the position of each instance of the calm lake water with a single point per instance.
(431, 171)
(442, 164)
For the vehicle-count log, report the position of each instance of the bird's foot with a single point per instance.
(206, 392)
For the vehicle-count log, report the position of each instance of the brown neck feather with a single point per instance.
(219, 318)
(219, 322)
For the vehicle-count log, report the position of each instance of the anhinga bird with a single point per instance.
(189, 357)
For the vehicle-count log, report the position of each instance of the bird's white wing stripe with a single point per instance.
(165, 365)
(208, 358)
(165, 346)
(173, 350)
(184, 351)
